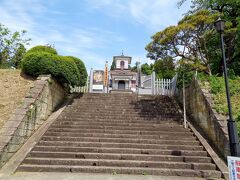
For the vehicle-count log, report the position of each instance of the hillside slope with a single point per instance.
(13, 88)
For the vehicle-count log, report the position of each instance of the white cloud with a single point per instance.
(153, 14)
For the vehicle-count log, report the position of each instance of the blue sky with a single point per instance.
(93, 30)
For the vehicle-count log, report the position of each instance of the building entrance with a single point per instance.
(121, 85)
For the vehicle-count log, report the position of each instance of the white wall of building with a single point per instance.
(118, 63)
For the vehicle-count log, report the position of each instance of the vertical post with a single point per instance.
(184, 106)
(163, 84)
(87, 83)
(153, 82)
(91, 81)
(232, 129)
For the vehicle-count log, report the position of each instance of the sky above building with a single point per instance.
(92, 30)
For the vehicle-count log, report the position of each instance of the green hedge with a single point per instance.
(82, 69)
(41, 48)
(63, 69)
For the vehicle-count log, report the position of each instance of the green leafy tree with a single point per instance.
(230, 12)
(18, 56)
(82, 70)
(11, 45)
(113, 66)
(185, 40)
(164, 68)
(146, 69)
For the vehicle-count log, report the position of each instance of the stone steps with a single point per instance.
(109, 135)
(177, 152)
(119, 140)
(117, 123)
(97, 127)
(123, 134)
(121, 170)
(142, 157)
(118, 163)
(120, 145)
(110, 131)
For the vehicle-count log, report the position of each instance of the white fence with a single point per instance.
(153, 86)
(165, 86)
(80, 89)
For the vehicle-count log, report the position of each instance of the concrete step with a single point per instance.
(121, 170)
(114, 156)
(118, 140)
(120, 145)
(120, 127)
(155, 120)
(120, 134)
(166, 136)
(175, 152)
(119, 163)
(106, 123)
(110, 131)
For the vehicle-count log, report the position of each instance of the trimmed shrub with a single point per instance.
(41, 48)
(63, 69)
(82, 70)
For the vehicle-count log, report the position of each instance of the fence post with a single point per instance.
(153, 82)
(91, 80)
(184, 105)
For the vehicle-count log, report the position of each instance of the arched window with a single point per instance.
(122, 65)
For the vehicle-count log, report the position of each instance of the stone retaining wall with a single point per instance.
(38, 104)
(208, 122)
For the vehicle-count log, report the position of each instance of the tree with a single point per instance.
(18, 56)
(146, 69)
(164, 68)
(230, 12)
(186, 40)
(113, 66)
(11, 44)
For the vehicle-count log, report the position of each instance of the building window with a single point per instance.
(122, 65)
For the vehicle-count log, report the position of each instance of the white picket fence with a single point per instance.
(80, 89)
(165, 86)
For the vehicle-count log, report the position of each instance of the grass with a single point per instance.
(217, 89)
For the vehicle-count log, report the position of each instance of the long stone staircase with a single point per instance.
(120, 134)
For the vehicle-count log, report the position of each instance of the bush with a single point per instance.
(82, 70)
(41, 48)
(62, 68)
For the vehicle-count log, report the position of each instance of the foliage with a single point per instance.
(164, 68)
(185, 73)
(230, 12)
(41, 48)
(185, 40)
(64, 69)
(217, 87)
(11, 46)
(113, 66)
(18, 56)
(146, 69)
(82, 70)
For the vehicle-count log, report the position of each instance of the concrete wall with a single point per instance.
(38, 104)
(209, 123)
